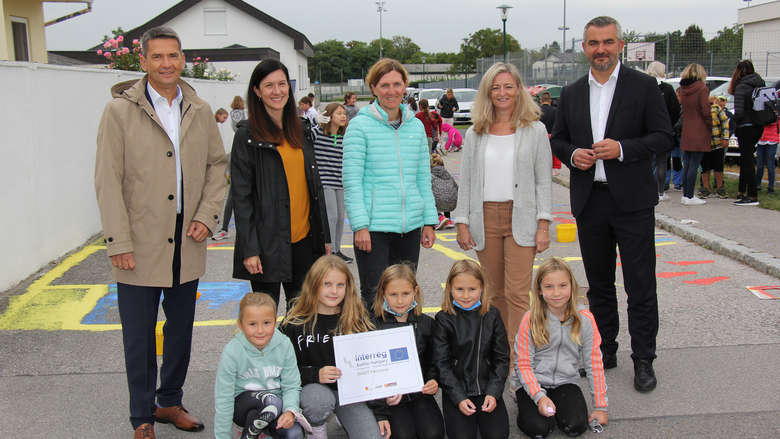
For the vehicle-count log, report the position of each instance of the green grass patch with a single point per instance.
(765, 200)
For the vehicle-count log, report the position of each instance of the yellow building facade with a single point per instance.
(23, 30)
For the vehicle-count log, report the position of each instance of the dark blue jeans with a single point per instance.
(691, 162)
(765, 158)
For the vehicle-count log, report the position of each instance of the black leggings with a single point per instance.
(417, 419)
(493, 425)
(571, 412)
(748, 137)
(248, 406)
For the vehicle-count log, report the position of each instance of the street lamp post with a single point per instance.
(564, 28)
(504, 10)
(380, 7)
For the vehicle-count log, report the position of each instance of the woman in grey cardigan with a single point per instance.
(504, 202)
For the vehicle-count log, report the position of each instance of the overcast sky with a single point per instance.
(435, 25)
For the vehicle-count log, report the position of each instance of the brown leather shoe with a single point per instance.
(144, 431)
(179, 417)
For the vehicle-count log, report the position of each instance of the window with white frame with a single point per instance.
(214, 22)
(21, 39)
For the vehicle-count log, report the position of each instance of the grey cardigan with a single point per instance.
(532, 181)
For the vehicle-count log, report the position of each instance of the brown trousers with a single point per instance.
(508, 267)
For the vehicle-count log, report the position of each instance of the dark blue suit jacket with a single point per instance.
(638, 119)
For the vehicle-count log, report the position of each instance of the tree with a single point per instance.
(404, 49)
(693, 45)
(485, 43)
(329, 62)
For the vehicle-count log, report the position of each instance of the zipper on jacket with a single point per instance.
(557, 353)
(403, 184)
(479, 345)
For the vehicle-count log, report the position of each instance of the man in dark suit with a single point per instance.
(607, 128)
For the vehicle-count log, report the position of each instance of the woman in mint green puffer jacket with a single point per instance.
(387, 179)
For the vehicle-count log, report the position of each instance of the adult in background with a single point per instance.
(548, 119)
(350, 98)
(431, 122)
(448, 105)
(159, 168)
(743, 81)
(237, 114)
(657, 70)
(505, 193)
(281, 224)
(306, 105)
(609, 125)
(696, 128)
(387, 179)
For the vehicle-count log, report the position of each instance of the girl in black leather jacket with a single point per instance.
(398, 302)
(471, 354)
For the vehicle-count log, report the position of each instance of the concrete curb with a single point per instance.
(761, 261)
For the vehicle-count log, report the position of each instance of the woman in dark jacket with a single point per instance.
(448, 105)
(696, 128)
(281, 224)
(743, 81)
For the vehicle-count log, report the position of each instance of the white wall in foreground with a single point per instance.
(48, 127)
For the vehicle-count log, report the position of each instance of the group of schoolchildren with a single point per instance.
(282, 382)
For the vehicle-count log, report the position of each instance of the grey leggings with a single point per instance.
(319, 402)
(334, 205)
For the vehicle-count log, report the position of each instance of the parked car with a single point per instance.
(554, 90)
(431, 94)
(465, 98)
(712, 82)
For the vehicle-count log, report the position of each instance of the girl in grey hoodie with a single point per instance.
(554, 339)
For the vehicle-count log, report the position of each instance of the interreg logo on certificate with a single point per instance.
(377, 364)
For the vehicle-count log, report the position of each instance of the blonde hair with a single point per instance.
(465, 266)
(238, 103)
(254, 299)
(397, 272)
(353, 316)
(538, 307)
(383, 67)
(483, 114)
(436, 160)
(694, 71)
(329, 110)
(656, 69)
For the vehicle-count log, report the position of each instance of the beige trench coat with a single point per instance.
(135, 175)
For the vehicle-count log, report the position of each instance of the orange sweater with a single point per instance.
(294, 170)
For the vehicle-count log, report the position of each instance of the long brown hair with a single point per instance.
(744, 68)
(261, 125)
(353, 316)
(329, 110)
(538, 321)
(465, 266)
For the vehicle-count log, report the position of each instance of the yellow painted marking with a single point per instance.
(659, 244)
(450, 253)
(447, 236)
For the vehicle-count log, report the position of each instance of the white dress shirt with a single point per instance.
(170, 116)
(600, 101)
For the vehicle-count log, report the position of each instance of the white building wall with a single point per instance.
(243, 29)
(761, 39)
(49, 121)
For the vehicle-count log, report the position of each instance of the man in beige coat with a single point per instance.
(159, 179)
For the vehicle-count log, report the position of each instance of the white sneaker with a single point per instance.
(694, 201)
(663, 197)
(220, 235)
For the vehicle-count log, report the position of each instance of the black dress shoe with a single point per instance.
(644, 375)
(610, 361)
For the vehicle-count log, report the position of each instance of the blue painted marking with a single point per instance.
(213, 295)
(663, 239)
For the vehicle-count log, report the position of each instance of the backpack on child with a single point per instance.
(766, 106)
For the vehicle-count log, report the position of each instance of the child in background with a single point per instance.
(398, 303)
(713, 159)
(257, 377)
(445, 191)
(221, 115)
(329, 305)
(765, 156)
(307, 111)
(329, 152)
(471, 354)
(454, 138)
(431, 122)
(554, 339)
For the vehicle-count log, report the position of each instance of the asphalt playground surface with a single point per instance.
(62, 367)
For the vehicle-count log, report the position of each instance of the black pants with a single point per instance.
(601, 225)
(493, 425)
(228, 211)
(748, 137)
(386, 249)
(303, 258)
(417, 419)
(247, 407)
(571, 412)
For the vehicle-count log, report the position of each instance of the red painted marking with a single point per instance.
(706, 280)
(565, 220)
(669, 274)
(762, 290)
(561, 213)
(686, 263)
(221, 244)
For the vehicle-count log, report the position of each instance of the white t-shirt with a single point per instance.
(499, 166)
